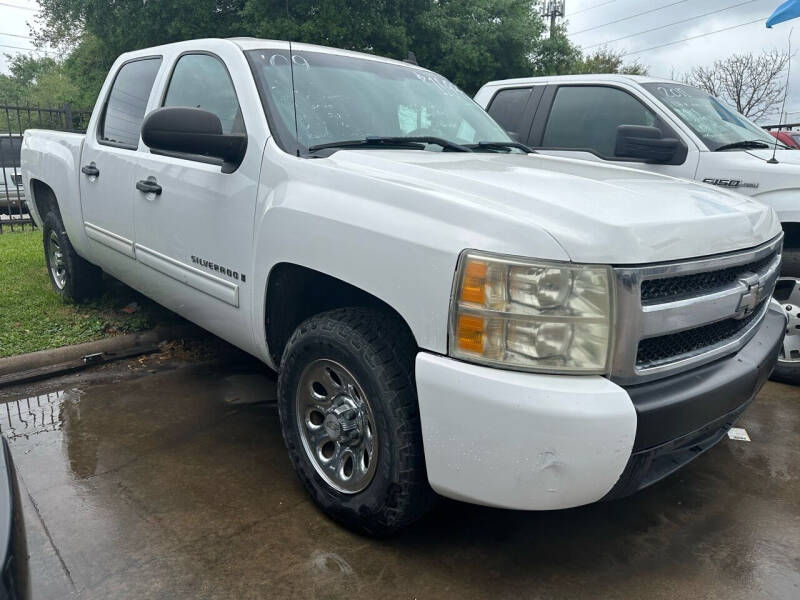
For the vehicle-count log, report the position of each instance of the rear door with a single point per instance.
(194, 238)
(514, 108)
(107, 166)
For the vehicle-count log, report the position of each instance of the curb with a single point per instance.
(26, 367)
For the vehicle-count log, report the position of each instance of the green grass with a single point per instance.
(33, 317)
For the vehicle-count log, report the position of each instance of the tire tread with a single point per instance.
(388, 349)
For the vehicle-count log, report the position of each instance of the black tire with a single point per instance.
(790, 266)
(81, 279)
(379, 352)
(785, 371)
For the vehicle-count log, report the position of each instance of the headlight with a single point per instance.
(531, 315)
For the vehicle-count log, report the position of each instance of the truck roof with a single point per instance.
(251, 43)
(571, 78)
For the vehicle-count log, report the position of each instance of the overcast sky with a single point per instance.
(597, 22)
(592, 22)
(13, 25)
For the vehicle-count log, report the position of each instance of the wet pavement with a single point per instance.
(174, 483)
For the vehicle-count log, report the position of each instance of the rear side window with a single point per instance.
(507, 108)
(587, 117)
(202, 81)
(127, 102)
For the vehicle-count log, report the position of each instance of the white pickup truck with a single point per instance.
(447, 312)
(664, 127)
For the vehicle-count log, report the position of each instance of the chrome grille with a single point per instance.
(659, 290)
(657, 350)
(675, 316)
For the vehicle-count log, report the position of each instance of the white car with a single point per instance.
(447, 313)
(664, 127)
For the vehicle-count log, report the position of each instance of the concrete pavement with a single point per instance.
(141, 482)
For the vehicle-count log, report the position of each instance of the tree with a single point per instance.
(753, 84)
(475, 41)
(555, 55)
(608, 61)
(468, 41)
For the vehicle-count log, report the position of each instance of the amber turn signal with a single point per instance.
(470, 333)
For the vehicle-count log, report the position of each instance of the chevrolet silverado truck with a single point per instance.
(449, 314)
(664, 127)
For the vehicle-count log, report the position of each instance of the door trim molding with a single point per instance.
(109, 239)
(204, 282)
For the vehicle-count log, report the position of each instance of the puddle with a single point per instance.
(35, 415)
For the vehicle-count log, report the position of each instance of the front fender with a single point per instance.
(398, 241)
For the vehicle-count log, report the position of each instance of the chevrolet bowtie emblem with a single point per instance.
(750, 297)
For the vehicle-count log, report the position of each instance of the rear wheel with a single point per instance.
(73, 278)
(348, 409)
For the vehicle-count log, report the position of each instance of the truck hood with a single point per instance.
(596, 213)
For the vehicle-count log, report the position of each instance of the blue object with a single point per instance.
(786, 11)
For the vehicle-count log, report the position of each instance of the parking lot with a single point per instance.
(159, 479)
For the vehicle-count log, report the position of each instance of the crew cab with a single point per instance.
(448, 313)
(664, 127)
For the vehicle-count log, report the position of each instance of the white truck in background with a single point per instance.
(664, 127)
(448, 313)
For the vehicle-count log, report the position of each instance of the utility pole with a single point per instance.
(553, 9)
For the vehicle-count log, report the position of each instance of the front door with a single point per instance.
(194, 234)
(107, 168)
(582, 123)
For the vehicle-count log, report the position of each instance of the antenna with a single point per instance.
(552, 9)
(294, 101)
(773, 160)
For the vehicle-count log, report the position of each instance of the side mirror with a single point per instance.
(184, 130)
(646, 144)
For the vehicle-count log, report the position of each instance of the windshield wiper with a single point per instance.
(405, 143)
(747, 144)
(501, 146)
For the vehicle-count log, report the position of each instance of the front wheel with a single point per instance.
(787, 292)
(348, 409)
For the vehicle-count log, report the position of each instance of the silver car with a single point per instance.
(12, 194)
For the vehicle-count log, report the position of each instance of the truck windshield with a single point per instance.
(343, 98)
(716, 124)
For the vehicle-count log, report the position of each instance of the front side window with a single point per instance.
(587, 117)
(127, 102)
(713, 122)
(202, 81)
(343, 98)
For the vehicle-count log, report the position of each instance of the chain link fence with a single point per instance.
(14, 120)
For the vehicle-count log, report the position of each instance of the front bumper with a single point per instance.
(681, 417)
(539, 442)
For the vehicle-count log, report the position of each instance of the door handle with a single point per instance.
(91, 170)
(148, 186)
